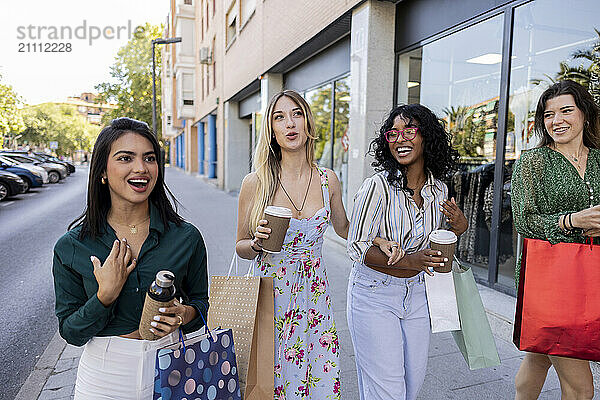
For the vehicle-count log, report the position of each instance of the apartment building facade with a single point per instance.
(478, 64)
(88, 107)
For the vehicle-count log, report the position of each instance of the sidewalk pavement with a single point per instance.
(448, 377)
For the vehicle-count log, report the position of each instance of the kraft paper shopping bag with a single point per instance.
(246, 305)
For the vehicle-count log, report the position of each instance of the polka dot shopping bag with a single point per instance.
(203, 367)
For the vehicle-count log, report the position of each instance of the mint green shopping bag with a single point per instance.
(475, 339)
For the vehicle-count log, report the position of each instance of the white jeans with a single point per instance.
(390, 329)
(116, 368)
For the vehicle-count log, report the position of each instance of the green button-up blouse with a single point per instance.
(180, 249)
(545, 185)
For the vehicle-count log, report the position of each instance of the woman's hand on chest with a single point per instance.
(135, 241)
(112, 275)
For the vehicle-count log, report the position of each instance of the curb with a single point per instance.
(34, 384)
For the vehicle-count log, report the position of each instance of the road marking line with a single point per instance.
(6, 204)
(30, 194)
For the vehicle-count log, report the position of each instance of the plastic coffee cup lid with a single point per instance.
(442, 236)
(278, 211)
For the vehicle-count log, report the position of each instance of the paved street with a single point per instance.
(214, 213)
(29, 225)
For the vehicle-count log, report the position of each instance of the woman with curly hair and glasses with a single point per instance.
(394, 212)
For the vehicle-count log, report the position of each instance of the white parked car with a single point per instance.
(34, 169)
(56, 172)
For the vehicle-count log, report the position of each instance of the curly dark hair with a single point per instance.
(440, 157)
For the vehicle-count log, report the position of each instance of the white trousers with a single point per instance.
(116, 368)
(390, 329)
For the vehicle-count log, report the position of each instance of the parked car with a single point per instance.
(31, 179)
(39, 158)
(10, 185)
(55, 171)
(49, 158)
(31, 167)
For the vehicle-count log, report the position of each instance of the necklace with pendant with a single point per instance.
(419, 186)
(305, 195)
(575, 158)
(133, 228)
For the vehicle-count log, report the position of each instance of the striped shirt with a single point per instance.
(381, 210)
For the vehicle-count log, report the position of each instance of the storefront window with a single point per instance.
(553, 40)
(320, 105)
(341, 140)
(332, 151)
(458, 77)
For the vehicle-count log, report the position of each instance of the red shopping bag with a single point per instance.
(558, 302)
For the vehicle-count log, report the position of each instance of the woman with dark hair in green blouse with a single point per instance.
(104, 265)
(556, 197)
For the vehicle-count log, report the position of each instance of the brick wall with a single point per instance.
(276, 29)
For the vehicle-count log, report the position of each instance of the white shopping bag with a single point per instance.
(441, 300)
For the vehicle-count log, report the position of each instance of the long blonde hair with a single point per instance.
(267, 156)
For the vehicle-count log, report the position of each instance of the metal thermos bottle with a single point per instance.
(161, 293)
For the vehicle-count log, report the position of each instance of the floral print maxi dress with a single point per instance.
(306, 341)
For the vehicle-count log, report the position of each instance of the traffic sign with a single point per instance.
(345, 141)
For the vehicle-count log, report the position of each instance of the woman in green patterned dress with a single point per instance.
(553, 188)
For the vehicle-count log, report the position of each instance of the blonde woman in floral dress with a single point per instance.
(306, 342)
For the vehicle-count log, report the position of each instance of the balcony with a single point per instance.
(169, 131)
(185, 93)
(184, 51)
(184, 9)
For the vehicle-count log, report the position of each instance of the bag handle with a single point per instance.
(234, 260)
(461, 268)
(210, 332)
(591, 239)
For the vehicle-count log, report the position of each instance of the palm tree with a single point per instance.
(467, 134)
(593, 56)
(588, 77)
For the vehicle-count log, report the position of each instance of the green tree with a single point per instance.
(11, 122)
(320, 105)
(131, 87)
(341, 121)
(49, 122)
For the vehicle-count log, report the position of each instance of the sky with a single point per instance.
(53, 76)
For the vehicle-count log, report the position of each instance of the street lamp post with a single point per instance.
(155, 42)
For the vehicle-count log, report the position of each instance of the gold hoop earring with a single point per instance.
(103, 180)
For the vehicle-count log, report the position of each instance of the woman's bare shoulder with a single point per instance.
(331, 175)
(250, 182)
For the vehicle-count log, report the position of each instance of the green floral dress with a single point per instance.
(307, 352)
(545, 185)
